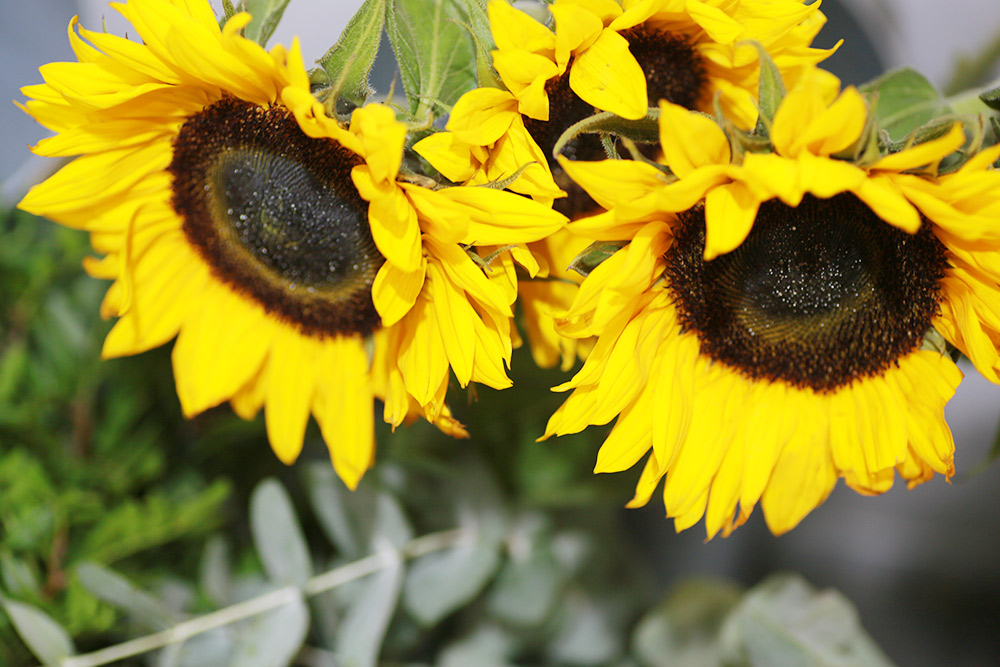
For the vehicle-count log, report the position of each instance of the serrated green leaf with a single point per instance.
(785, 621)
(118, 591)
(350, 60)
(272, 639)
(363, 627)
(683, 630)
(278, 536)
(266, 16)
(903, 101)
(436, 55)
(46, 639)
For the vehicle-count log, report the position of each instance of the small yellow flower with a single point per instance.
(298, 272)
(770, 326)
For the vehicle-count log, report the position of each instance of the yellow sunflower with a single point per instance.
(295, 268)
(775, 321)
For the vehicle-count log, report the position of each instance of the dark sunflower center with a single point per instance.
(674, 71)
(817, 296)
(276, 216)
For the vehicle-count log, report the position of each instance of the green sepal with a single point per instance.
(594, 254)
(266, 16)
(350, 60)
(644, 130)
(867, 149)
(228, 11)
(771, 92)
(902, 101)
(436, 55)
(991, 98)
(479, 28)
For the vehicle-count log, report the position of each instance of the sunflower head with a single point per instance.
(298, 269)
(784, 291)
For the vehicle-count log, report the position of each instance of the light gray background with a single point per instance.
(922, 565)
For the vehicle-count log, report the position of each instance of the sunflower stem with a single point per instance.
(269, 601)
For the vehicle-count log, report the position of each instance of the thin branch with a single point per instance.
(268, 601)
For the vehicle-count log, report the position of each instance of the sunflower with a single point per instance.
(780, 318)
(297, 269)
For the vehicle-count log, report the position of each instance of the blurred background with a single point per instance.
(922, 566)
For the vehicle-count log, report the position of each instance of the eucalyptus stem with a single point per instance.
(269, 601)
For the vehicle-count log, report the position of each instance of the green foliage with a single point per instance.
(349, 62)
(435, 53)
(903, 101)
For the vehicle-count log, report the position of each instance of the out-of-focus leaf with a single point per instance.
(441, 582)
(208, 649)
(362, 630)
(272, 639)
(266, 16)
(526, 590)
(213, 573)
(683, 630)
(355, 52)
(785, 621)
(278, 536)
(436, 55)
(118, 591)
(352, 520)
(18, 577)
(587, 635)
(46, 639)
(903, 101)
(487, 646)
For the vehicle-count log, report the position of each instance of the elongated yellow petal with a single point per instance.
(608, 76)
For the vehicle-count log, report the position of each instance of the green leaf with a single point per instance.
(363, 627)
(18, 576)
(785, 621)
(587, 635)
(644, 130)
(991, 98)
(350, 60)
(278, 536)
(118, 591)
(486, 646)
(479, 27)
(771, 93)
(904, 100)
(46, 639)
(683, 630)
(266, 16)
(436, 55)
(274, 638)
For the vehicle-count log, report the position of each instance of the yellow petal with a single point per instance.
(514, 29)
(608, 76)
(344, 409)
(289, 392)
(690, 140)
(730, 211)
(383, 137)
(482, 116)
(923, 154)
(394, 291)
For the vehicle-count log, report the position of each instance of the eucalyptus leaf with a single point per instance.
(683, 630)
(441, 582)
(350, 60)
(46, 639)
(213, 573)
(355, 520)
(587, 635)
(18, 577)
(272, 639)
(266, 16)
(119, 592)
(785, 621)
(278, 536)
(486, 646)
(363, 628)
(903, 101)
(436, 55)
(527, 589)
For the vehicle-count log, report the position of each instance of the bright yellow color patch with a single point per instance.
(587, 43)
(719, 442)
(119, 109)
